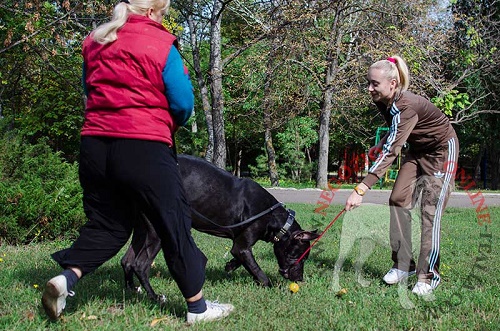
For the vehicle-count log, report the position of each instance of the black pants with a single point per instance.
(122, 178)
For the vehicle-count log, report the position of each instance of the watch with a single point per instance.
(359, 190)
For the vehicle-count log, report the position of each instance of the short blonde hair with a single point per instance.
(395, 68)
(106, 33)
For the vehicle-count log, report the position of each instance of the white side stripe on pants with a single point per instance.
(450, 172)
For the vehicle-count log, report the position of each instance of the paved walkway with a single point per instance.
(312, 196)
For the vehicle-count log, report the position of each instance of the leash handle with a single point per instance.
(321, 235)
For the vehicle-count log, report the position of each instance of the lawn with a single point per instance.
(467, 299)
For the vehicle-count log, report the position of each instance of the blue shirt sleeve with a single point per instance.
(178, 88)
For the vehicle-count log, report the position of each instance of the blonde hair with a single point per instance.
(395, 68)
(107, 32)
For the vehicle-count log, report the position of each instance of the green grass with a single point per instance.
(462, 302)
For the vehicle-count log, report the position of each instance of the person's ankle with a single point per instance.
(71, 278)
(197, 307)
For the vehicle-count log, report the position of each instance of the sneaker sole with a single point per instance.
(227, 312)
(49, 301)
(411, 273)
(202, 320)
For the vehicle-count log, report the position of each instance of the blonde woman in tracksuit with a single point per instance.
(432, 156)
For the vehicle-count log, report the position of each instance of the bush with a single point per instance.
(40, 195)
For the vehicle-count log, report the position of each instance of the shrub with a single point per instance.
(40, 196)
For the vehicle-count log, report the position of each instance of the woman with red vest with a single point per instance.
(138, 94)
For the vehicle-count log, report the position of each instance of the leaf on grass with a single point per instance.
(157, 320)
(30, 316)
(89, 318)
(114, 309)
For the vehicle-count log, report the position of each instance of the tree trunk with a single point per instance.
(219, 157)
(324, 140)
(326, 108)
(268, 138)
(494, 166)
(203, 89)
(271, 155)
(237, 164)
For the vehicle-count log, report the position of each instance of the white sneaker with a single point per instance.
(54, 296)
(215, 311)
(394, 276)
(422, 289)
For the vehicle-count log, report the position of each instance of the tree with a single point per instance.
(194, 13)
(216, 90)
(474, 68)
(40, 67)
(260, 66)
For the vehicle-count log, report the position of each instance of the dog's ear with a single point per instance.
(306, 235)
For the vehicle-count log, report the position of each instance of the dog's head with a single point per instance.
(427, 190)
(289, 249)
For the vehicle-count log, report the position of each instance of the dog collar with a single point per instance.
(288, 224)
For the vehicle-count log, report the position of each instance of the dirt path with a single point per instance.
(312, 196)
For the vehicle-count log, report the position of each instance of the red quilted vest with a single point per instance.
(124, 83)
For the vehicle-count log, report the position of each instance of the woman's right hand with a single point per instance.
(353, 201)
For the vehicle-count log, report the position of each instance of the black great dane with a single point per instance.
(230, 207)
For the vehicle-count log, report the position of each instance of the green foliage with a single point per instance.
(40, 196)
(276, 57)
(451, 102)
(299, 135)
(476, 60)
(41, 68)
(192, 143)
(171, 22)
(260, 169)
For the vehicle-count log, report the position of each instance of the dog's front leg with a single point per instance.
(248, 260)
(366, 247)
(232, 265)
(345, 246)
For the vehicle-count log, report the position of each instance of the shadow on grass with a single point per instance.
(107, 283)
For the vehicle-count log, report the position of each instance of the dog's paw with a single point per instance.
(405, 302)
(404, 299)
(335, 287)
(161, 298)
(232, 266)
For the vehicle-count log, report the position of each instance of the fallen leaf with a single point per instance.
(30, 316)
(114, 309)
(157, 320)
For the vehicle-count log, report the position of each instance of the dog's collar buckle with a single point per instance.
(286, 227)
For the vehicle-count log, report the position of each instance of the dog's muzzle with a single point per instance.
(293, 273)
